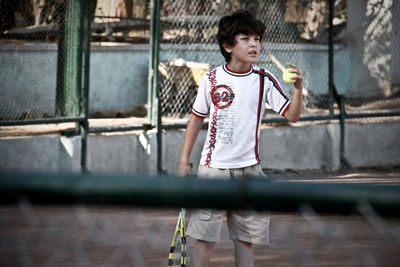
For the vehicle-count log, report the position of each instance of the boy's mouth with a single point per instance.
(253, 53)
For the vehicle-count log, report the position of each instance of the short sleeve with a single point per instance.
(275, 96)
(202, 102)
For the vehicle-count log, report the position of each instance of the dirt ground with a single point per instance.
(114, 236)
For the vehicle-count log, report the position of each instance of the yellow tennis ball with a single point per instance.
(288, 76)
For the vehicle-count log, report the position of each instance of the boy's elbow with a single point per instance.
(292, 118)
(293, 113)
(296, 118)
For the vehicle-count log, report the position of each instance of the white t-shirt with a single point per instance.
(236, 103)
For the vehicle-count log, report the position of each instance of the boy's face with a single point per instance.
(246, 49)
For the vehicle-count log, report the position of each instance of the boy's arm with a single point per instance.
(294, 111)
(192, 130)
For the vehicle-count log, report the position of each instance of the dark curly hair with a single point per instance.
(240, 22)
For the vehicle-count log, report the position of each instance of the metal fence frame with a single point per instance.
(77, 30)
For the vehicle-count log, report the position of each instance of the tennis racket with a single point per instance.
(177, 253)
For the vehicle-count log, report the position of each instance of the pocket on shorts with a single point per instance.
(255, 170)
(204, 214)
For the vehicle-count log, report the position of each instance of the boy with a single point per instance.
(234, 95)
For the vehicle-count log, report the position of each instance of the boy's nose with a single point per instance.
(253, 42)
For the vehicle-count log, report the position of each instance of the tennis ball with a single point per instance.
(288, 76)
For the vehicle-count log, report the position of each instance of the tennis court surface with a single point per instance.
(83, 235)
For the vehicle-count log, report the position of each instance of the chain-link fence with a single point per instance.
(370, 80)
(40, 51)
(364, 38)
(189, 47)
(40, 70)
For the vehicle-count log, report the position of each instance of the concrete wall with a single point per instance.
(373, 144)
(304, 147)
(299, 147)
(40, 153)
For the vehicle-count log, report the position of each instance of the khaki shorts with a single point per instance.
(244, 225)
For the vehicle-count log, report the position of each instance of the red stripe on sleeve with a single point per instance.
(286, 109)
(197, 115)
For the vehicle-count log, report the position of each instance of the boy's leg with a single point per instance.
(244, 256)
(205, 224)
(205, 228)
(247, 227)
(201, 253)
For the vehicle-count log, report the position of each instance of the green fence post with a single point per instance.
(86, 8)
(330, 57)
(69, 61)
(153, 62)
(153, 103)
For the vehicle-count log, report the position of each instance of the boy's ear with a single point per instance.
(228, 48)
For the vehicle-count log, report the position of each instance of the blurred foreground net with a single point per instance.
(312, 223)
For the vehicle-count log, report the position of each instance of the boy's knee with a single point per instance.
(201, 253)
(242, 244)
(243, 254)
(204, 245)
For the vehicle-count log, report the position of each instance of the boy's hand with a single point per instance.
(185, 169)
(299, 78)
(294, 111)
